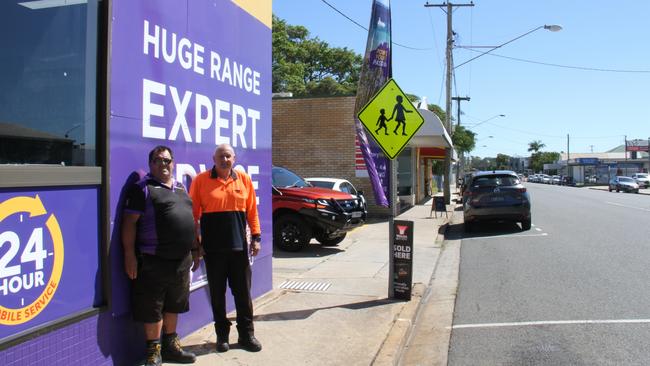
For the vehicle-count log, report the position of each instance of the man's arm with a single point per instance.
(129, 228)
(252, 218)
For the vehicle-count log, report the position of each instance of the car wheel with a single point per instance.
(525, 225)
(290, 233)
(610, 189)
(325, 241)
(617, 190)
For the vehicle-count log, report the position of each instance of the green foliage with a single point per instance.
(503, 161)
(538, 159)
(536, 146)
(463, 139)
(308, 66)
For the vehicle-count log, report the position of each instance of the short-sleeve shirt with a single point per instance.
(166, 225)
(224, 207)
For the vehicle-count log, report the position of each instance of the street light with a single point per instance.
(489, 119)
(552, 28)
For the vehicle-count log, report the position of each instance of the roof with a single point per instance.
(12, 130)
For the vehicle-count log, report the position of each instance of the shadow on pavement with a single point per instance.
(309, 251)
(457, 231)
(306, 313)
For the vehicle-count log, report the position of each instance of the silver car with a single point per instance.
(625, 184)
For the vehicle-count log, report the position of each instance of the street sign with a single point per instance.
(391, 119)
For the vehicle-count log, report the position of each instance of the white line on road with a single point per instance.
(552, 322)
(626, 206)
(538, 229)
(504, 236)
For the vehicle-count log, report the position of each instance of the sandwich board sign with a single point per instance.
(391, 119)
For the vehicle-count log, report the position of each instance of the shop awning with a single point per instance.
(432, 133)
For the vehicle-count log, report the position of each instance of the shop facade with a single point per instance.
(89, 88)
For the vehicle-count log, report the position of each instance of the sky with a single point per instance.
(588, 81)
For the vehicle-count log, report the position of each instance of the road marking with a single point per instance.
(551, 322)
(626, 206)
(538, 229)
(504, 236)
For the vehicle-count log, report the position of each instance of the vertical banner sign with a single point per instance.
(375, 71)
(402, 254)
(192, 74)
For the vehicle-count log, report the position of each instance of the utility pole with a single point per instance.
(450, 45)
(461, 155)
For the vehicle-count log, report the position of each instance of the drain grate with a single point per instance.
(305, 285)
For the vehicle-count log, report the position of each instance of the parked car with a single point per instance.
(302, 212)
(641, 179)
(625, 184)
(544, 178)
(340, 185)
(496, 196)
(567, 181)
(555, 179)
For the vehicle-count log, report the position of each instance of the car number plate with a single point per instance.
(497, 199)
(356, 214)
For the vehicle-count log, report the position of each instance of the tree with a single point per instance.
(536, 146)
(308, 66)
(503, 161)
(463, 139)
(538, 159)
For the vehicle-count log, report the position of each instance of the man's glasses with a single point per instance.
(164, 161)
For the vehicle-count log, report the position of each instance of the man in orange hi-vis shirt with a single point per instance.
(224, 202)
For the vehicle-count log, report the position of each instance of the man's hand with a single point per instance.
(131, 265)
(197, 255)
(255, 248)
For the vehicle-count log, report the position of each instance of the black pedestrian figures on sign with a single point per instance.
(401, 119)
(381, 122)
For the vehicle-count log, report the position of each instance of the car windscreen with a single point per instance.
(286, 178)
(495, 181)
(322, 184)
(626, 179)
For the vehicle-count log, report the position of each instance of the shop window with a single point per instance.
(48, 74)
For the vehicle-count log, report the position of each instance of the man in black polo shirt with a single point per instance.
(158, 235)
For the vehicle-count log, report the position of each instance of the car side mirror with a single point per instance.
(276, 191)
(359, 192)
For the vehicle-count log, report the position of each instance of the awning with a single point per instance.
(432, 133)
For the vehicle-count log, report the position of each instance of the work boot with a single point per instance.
(153, 354)
(172, 351)
(222, 339)
(248, 342)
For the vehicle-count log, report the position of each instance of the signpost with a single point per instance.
(391, 119)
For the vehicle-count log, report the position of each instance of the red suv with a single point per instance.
(302, 212)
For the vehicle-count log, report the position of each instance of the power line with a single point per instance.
(366, 29)
(584, 68)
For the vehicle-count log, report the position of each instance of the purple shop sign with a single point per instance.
(189, 75)
(49, 247)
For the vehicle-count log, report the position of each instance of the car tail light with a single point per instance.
(522, 190)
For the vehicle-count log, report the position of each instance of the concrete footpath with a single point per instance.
(330, 305)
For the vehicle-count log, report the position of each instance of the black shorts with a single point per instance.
(162, 286)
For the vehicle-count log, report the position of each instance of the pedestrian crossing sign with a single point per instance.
(391, 119)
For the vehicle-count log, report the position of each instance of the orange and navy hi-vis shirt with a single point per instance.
(223, 207)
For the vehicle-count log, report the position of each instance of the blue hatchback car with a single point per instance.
(497, 195)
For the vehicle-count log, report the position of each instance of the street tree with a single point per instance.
(307, 66)
(503, 161)
(464, 140)
(536, 145)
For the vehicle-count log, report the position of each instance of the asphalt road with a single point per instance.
(574, 290)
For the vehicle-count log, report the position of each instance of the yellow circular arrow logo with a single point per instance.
(34, 207)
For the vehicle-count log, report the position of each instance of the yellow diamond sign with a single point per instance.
(391, 119)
